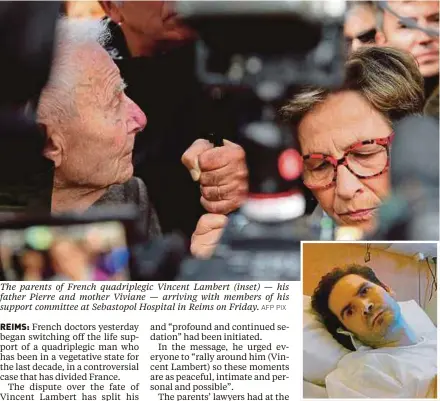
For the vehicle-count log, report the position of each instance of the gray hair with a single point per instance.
(57, 98)
(389, 79)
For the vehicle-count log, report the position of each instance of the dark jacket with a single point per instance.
(431, 97)
(178, 112)
(134, 192)
(432, 106)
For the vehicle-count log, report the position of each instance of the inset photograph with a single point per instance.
(369, 320)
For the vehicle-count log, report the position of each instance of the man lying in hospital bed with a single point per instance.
(395, 343)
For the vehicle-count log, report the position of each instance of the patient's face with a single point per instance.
(366, 309)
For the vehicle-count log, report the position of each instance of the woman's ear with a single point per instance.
(112, 11)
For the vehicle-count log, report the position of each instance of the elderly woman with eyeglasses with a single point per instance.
(345, 135)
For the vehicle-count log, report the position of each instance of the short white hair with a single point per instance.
(57, 99)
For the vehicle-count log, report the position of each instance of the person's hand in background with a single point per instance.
(207, 235)
(221, 172)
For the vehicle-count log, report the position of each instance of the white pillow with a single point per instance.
(416, 318)
(321, 352)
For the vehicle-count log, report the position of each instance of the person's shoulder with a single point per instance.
(132, 191)
(135, 191)
(432, 104)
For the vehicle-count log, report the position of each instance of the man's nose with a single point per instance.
(425, 39)
(367, 307)
(421, 36)
(137, 118)
(347, 184)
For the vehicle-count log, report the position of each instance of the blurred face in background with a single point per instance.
(150, 22)
(360, 26)
(423, 47)
(69, 259)
(331, 128)
(33, 264)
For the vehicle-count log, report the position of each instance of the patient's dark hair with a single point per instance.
(322, 293)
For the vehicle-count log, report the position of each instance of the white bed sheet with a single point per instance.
(390, 372)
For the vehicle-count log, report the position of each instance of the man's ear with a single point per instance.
(380, 38)
(112, 11)
(390, 291)
(53, 150)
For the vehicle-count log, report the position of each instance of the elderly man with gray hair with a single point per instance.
(156, 53)
(91, 125)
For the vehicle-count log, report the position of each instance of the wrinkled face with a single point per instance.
(423, 47)
(364, 308)
(330, 128)
(97, 141)
(359, 21)
(157, 20)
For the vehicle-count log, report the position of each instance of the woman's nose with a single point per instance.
(347, 184)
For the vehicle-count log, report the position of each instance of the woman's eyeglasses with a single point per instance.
(365, 159)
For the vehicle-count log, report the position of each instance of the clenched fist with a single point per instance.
(207, 234)
(221, 172)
